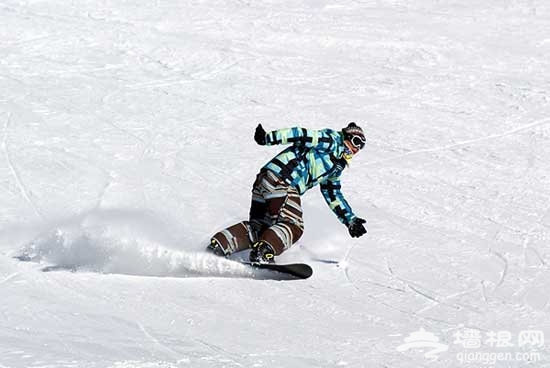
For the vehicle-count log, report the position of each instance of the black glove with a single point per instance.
(356, 227)
(260, 134)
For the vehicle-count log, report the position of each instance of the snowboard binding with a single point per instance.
(215, 248)
(262, 252)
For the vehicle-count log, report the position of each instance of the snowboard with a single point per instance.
(295, 270)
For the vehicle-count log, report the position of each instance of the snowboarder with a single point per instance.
(275, 223)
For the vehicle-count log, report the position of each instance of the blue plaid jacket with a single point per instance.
(315, 157)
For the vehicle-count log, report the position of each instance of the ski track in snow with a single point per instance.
(20, 184)
(173, 354)
(9, 277)
(464, 143)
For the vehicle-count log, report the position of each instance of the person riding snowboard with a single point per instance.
(275, 223)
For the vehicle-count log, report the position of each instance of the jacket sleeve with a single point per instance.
(300, 136)
(332, 193)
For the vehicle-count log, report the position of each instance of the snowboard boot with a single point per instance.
(262, 252)
(215, 248)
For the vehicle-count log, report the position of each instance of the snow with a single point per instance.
(127, 141)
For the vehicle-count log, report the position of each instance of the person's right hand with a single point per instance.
(259, 135)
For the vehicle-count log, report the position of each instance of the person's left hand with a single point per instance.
(356, 227)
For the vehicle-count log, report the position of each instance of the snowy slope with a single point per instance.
(127, 141)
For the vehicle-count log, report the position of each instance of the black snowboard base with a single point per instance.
(296, 270)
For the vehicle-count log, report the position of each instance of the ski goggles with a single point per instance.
(358, 142)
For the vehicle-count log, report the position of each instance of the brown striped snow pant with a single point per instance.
(275, 217)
